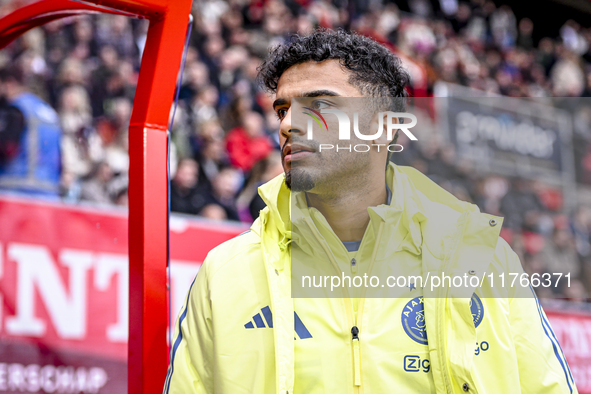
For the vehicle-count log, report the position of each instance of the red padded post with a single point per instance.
(148, 198)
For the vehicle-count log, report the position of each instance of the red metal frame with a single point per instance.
(37, 14)
(148, 199)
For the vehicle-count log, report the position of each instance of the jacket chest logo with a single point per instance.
(477, 309)
(413, 320)
(413, 317)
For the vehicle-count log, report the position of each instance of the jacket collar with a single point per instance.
(278, 217)
(419, 205)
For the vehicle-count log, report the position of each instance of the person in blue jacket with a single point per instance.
(34, 166)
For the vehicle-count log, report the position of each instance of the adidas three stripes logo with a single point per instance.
(258, 321)
(299, 327)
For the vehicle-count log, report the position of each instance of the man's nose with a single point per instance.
(292, 125)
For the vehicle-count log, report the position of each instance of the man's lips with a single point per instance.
(296, 152)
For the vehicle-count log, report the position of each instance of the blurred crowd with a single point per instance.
(73, 81)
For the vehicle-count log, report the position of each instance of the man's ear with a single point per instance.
(375, 122)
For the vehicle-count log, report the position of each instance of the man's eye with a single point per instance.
(317, 104)
(281, 113)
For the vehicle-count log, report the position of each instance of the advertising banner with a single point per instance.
(513, 139)
(64, 293)
(573, 331)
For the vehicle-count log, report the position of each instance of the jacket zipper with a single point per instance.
(358, 318)
(356, 356)
(348, 309)
(355, 322)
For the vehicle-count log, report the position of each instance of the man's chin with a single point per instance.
(298, 180)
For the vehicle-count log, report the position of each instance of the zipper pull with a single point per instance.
(355, 333)
(356, 358)
(353, 265)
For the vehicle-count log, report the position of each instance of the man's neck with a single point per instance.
(346, 211)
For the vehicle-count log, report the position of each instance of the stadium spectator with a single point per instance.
(581, 228)
(249, 202)
(81, 146)
(113, 129)
(12, 124)
(186, 195)
(118, 190)
(213, 212)
(96, 188)
(70, 187)
(248, 143)
(521, 206)
(559, 254)
(203, 108)
(115, 31)
(210, 152)
(225, 187)
(195, 78)
(35, 167)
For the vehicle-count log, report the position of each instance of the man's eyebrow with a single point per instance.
(279, 101)
(317, 93)
(312, 93)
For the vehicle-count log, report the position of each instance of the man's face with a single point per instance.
(187, 174)
(324, 85)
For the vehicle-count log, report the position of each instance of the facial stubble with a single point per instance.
(298, 179)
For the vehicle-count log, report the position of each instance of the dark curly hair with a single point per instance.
(375, 70)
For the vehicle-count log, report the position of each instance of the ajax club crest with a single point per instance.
(413, 317)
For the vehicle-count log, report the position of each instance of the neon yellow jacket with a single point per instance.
(214, 351)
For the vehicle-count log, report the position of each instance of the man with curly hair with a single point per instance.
(245, 328)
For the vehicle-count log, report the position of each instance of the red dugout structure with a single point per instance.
(147, 362)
